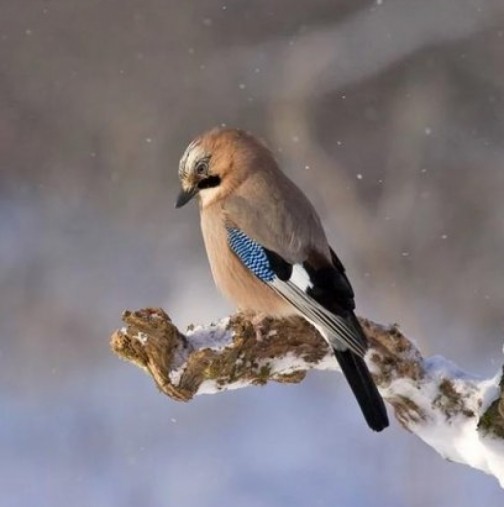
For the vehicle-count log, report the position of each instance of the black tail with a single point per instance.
(357, 374)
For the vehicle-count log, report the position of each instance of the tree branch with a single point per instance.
(459, 415)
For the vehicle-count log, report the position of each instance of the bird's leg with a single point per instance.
(257, 321)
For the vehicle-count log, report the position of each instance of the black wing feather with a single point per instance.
(332, 289)
(279, 265)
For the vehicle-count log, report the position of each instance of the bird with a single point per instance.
(268, 251)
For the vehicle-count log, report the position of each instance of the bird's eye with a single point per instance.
(201, 167)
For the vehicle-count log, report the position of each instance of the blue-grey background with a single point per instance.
(389, 114)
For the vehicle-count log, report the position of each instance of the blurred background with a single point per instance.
(388, 113)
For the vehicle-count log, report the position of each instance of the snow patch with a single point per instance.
(141, 337)
(216, 336)
(453, 435)
(212, 386)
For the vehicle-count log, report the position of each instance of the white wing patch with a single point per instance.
(300, 278)
(337, 331)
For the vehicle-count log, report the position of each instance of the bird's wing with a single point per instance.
(273, 211)
(323, 296)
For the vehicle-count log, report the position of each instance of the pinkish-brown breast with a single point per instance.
(234, 280)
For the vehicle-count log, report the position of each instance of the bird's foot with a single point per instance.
(257, 321)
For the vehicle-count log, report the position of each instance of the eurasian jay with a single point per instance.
(268, 251)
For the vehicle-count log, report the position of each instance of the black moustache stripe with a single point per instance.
(210, 182)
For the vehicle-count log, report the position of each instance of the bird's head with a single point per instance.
(215, 163)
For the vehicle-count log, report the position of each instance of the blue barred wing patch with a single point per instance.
(251, 253)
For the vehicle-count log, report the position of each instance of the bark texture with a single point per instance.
(426, 394)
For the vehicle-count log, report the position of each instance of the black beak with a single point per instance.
(185, 196)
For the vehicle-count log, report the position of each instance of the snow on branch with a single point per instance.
(459, 415)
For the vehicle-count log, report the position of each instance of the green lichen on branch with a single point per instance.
(450, 401)
(492, 421)
(181, 367)
(152, 342)
(393, 354)
(407, 412)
